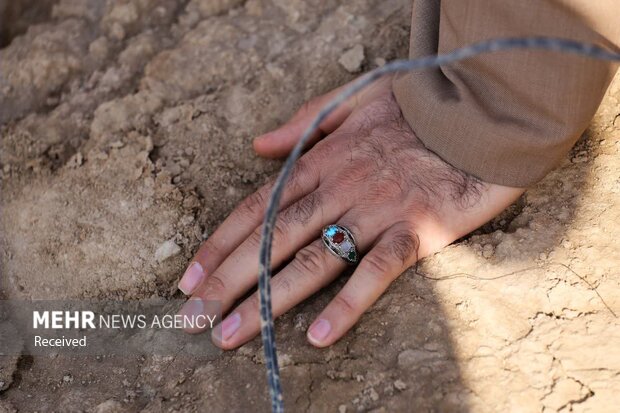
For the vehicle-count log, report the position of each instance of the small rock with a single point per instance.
(412, 358)
(67, 378)
(488, 251)
(580, 159)
(109, 406)
(75, 161)
(581, 156)
(379, 61)
(342, 408)
(284, 359)
(166, 250)
(400, 385)
(352, 59)
(374, 396)
(301, 323)
(542, 256)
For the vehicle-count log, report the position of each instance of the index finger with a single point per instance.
(242, 221)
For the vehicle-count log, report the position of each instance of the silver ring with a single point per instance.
(340, 241)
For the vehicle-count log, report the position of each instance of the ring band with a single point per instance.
(339, 240)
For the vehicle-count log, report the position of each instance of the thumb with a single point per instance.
(280, 142)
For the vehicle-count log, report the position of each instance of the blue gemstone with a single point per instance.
(331, 231)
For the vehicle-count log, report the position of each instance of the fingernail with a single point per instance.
(192, 278)
(228, 327)
(319, 330)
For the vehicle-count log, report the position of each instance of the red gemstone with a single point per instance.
(338, 238)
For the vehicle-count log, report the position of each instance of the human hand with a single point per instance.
(366, 171)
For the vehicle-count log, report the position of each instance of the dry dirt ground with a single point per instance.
(126, 124)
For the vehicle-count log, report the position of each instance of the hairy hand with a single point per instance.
(366, 171)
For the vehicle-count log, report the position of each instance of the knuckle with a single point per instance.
(378, 262)
(281, 229)
(310, 259)
(345, 304)
(252, 205)
(214, 286)
(255, 238)
(280, 232)
(421, 208)
(323, 146)
(253, 303)
(324, 150)
(344, 182)
(281, 285)
(390, 182)
(387, 258)
(209, 247)
(359, 171)
(302, 211)
(301, 171)
(404, 245)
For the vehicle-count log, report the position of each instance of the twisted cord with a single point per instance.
(267, 330)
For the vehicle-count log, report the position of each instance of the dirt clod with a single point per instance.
(352, 59)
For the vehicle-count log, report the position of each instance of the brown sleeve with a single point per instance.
(508, 117)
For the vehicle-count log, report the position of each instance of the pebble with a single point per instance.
(166, 250)
(488, 250)
(109, 406)
(352, 59)
(374, 396)
(76, 160)
(400, 385)
(542, 256)
(411, 358)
